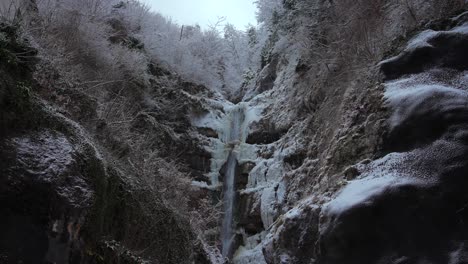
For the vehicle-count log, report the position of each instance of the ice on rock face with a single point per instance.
(268, 206)
(247, 153)
(266, 172)
(266, 179)
(229, 149)
(232, 126)
(219, 155)
(249, 256)
(271, 198)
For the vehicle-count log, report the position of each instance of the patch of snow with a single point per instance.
(406, 95)
(199, 184)
(266, 171)
(47, 154)
(298, 210)
(360, 191)
(382, 175)
(249, 256)
(463, 29)
(252, 190)
(397, 96)
(293, 213)
(247, 153)
(421, 40)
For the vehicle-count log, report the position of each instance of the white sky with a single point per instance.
(190, 12)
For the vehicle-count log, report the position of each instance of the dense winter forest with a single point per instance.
(221, 57)
(331, 132)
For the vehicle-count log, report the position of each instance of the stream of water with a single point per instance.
(232, 138)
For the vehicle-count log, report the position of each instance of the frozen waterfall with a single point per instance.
(232, 137)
